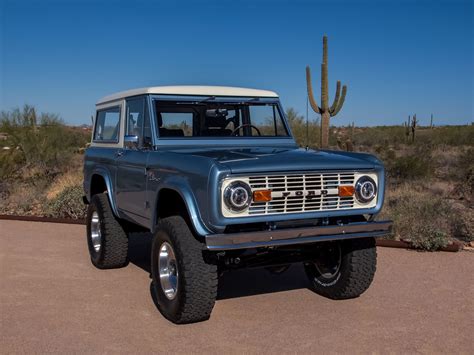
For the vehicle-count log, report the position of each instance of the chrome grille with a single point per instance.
(301, 182)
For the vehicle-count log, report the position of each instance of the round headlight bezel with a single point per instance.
(362, 184)
(234, 191)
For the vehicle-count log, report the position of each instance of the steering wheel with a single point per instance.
(245, 125)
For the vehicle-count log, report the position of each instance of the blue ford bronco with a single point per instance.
(215, 175)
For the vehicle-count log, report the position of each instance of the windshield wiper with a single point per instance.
(213, 98)
(254, 99)
(207, 99)
(210, 98)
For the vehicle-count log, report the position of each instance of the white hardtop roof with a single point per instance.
(190, 90)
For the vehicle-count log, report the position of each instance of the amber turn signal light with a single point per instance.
(346, 190)
(262, 195)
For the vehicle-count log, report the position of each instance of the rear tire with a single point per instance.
(185, 283)
(343, 269)
(106, 238)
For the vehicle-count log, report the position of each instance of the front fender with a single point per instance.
(106, 175)
(181, 186)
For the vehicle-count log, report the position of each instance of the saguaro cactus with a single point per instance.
(413, 127)
(407, 125)
(325, 110)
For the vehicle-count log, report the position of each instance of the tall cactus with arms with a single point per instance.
(325, 110)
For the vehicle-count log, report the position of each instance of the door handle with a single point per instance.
(119, 153)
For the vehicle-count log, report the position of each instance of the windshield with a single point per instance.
(218, 119)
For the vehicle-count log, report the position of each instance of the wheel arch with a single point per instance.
(100, 182)
(173, 200)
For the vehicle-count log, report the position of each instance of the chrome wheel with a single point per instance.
(329, 262)
(168, 269)
(96, 235)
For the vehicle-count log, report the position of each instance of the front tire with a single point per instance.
(343, 269)
(106, 238)
(185, 283)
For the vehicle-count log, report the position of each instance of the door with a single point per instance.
(131, 176)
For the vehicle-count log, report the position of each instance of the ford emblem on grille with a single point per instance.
(308, 194)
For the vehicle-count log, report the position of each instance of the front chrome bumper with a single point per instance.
(291, 236)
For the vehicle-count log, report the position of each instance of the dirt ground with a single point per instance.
(54, 301)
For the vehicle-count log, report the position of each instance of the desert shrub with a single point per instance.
(67, 204)
(298, 128)
(419, 217)
(461, 164)
(21, 199)
(73, 177)
(466, 160)
(463, 228)
(460, 170)
(465, 167)
(446, 135)
(41, 142)
(10, 163)
(410, 167)
(380, 135)
(36, 150)
(366, 138)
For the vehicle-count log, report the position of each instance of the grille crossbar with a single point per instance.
(280, 185)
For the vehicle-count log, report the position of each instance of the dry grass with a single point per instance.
(67, 204)
(427, 215)
(22, 199)
(62, 182)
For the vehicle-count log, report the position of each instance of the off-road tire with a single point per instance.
(356, 272)
(113, 252)
(197, 278)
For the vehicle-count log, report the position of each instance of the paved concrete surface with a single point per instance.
(54, 301)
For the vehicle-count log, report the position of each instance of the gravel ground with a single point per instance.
(54, 301)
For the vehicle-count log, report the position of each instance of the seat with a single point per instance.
(167, 132)
(215, 127)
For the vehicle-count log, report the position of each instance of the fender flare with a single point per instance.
(184, 191)
(105, 174)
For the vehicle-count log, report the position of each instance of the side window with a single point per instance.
(138, 121)
(107, 125)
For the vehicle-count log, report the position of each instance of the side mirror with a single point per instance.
(130, 142)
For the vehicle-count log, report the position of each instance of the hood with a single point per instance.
(274, 159)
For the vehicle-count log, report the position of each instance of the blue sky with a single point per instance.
(397, 57)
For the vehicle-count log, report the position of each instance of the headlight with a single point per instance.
(365, 189)
(237, 196)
